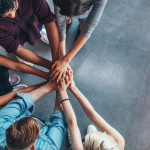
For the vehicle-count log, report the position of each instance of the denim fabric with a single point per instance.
(51, 133)
(12, 112)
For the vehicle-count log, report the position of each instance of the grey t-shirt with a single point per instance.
(91, 17)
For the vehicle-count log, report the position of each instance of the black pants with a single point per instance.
(5, 86)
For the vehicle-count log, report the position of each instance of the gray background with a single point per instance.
(112, 70)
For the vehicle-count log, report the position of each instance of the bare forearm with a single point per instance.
(72, 123)
(62, 48)
(8, 97)
(16, 66)
(95, 117)
(53, 38)
(75, 48)
(68, 110)
(32, 57)
(88, 108)
(41, 91)
(31, 70)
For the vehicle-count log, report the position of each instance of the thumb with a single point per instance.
(53, 66)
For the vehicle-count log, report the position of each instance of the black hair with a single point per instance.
(73, 7)
(6, 5)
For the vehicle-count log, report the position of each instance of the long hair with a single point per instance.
(100, 141)
(73, 7)
(22, 133)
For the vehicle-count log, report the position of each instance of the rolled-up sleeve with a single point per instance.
(93, 18)
(8, 41)
(42, 11)
(17, 107)
(61, 23)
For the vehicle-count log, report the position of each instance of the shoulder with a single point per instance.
(6, 25)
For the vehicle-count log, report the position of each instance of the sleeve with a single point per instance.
(42, 11)
(61, 23)
(56, 126)
(16, 107)
(8, 41)
(93, 18)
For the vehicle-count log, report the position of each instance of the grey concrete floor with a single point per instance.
(112, 70)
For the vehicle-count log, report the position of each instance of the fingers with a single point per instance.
(59, 77)
(67, 80)
(53, 66)
(55, 76)
(53, 73)
(63, 76)
(61, 83)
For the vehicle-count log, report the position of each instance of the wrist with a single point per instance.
(73, 88)
(61, 91)
(63, 100)
(62, 94)
(66, 59)
(45, 75)
(49, 86)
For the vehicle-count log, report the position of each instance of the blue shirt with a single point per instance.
(51, 133)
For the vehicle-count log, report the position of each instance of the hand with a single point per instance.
(68, 72)
(51, 85)
(72, 83)
(58, 68)
(63, 84)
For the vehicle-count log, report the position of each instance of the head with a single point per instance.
(99, 141)
(22, 134)
(73, 7)
(8, 8)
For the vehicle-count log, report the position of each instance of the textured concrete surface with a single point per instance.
(112, 70)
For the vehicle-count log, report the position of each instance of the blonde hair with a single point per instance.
(100, 141)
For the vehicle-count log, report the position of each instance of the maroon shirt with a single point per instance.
(30, 15)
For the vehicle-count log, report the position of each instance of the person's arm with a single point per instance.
(96, 118)
(43, 90)
(53, 38)
(16, 66)
(5, 99)
(61, 25)
(32, 57)
(76, 141)
(23, 101)
(89, 25)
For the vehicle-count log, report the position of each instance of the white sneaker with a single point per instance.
(91, 128)
(44, 37)
(23, 61)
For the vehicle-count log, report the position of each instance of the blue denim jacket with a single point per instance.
(51, 133)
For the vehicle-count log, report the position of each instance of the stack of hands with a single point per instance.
(61, 81)
(59, 69)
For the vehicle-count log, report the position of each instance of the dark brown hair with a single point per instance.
(73, 7)
(6, 5)
(22, 133)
